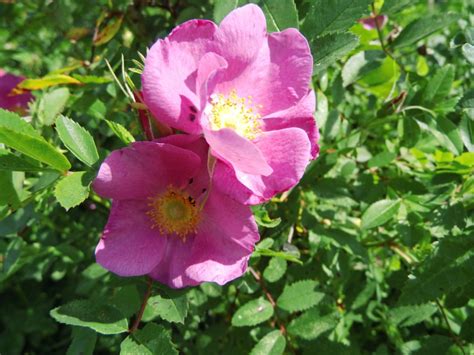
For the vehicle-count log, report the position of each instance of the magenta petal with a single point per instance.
(279, 76)
(198, 145)
(129, 246)
(171, 270)
(224, 242)
(371, 23)
(169, 77)
(8, 101)
(225, 181)
(143, 169)
(218, 253)
(239, 152)
(288, 151)
(300, 116)
(209, 66)
(240, 36)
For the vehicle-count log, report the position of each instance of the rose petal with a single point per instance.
(240, 36)
(129, 246)
(239, 152)
(169, 77)
(288, 153)
(300, 116)
(144, 169)
(8, 101)
(278, 77)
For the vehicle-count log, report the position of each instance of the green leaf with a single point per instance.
(406, 316)
(153, 339)
(10, 120)
(448, 268)
(379, 213)
(52, 105)
(172, 308)
(450, 135)
(252, 313)
(278, 254)
(92, 79)
(222, 8)
(467, 329)
(466, 130)
(12, 162)
(12, 254)
(361, 64)
(19, 135)
(311, 325)
(330, 48)
(421, 28)
(273, 343)
(83, 341)
(381, 160)
(444, 131)
(393, 6)
(275, 270)
(47, 81)
(280, 14)
(328, 16)
(299, 296)
(73, 189)
(127, 300)
(121, 132)
(439, 85)
(263, 219)
(77, 140)
(103, 318)
(468, 52)
(9, 191)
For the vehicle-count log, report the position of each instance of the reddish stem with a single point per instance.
(147, 295)
(269, 296)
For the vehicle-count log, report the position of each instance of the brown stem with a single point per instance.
(147, 295)
(451, 333)
(269, 296)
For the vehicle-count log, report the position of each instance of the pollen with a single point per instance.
(174, 212)
(234, 112)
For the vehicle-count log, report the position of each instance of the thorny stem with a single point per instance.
(451, 333)
(147, 295)
(382, 44)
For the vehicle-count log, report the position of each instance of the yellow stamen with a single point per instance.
(234, 112)
(174, 212)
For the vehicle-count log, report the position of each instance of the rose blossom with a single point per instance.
(164, 222)
(246, 91)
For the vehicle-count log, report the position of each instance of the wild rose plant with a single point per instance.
(135, 188)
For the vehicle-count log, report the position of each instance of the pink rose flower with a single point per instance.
(8, 100)
(372, 22)
(246, 91)
(164, 221)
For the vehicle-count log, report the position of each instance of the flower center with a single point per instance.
(174, 212)
(234, 112)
